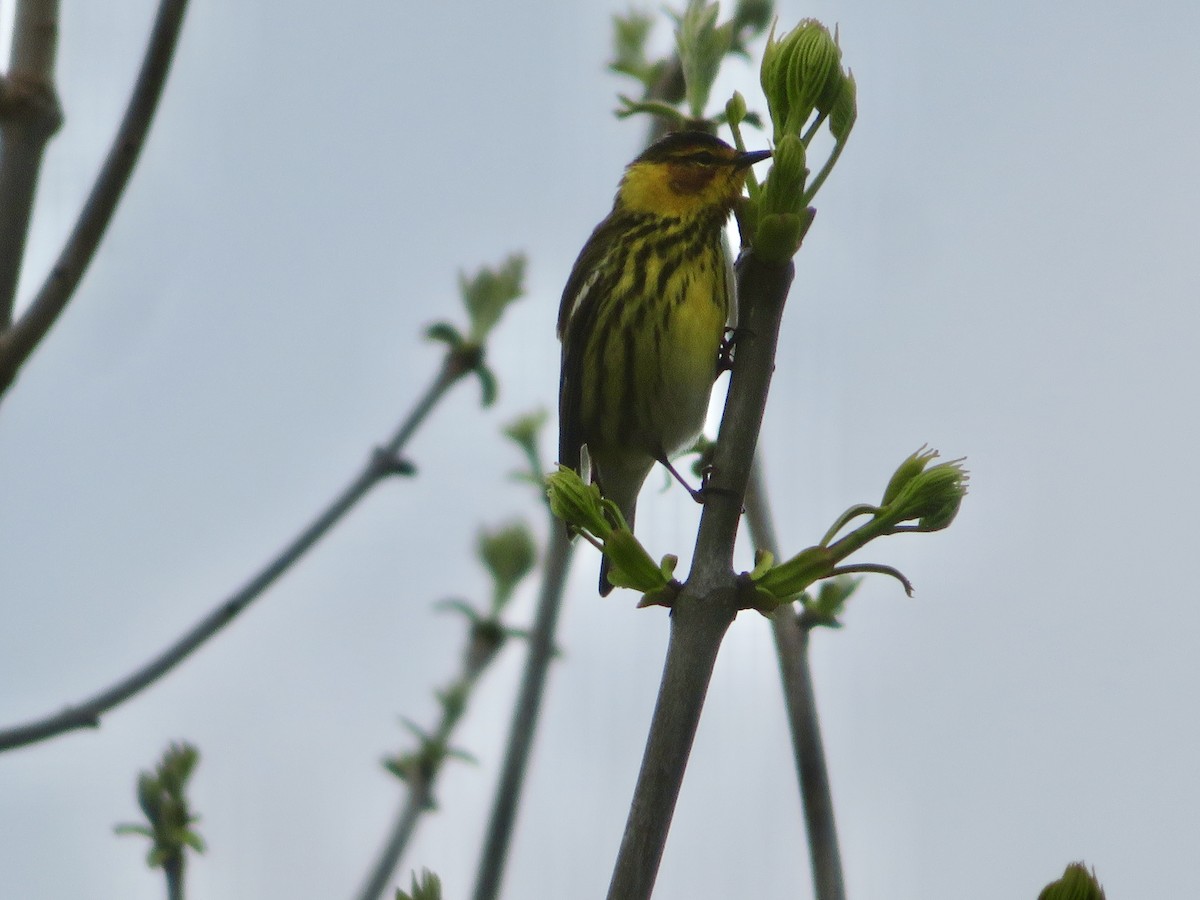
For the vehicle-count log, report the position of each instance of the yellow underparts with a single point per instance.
(669, 342)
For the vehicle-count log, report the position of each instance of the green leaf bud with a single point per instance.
(160, 794)
(945, 486)
(778, 237)
(630, 32)
(148, 796)
(833, 594)
(509, 554)
(489, 292)
(193, 840)
(932, 497)
(631, 566)
(797, 71)
(428, 888)
(783, 191)
(763, 560)
(844, 110)
(1076, 884)
(906, 472)
(701, 46)
(790, 578)
(454, 699)
(735, 109)
(446, 334)
(579, 505)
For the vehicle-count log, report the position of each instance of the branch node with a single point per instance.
(385, 462)
(32, 105)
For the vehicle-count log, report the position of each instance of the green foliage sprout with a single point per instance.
(428, 887)
(676, 89)
(486, 295)
(1077, 883)
(162, 795)
(805, 86)
(600, 523)
(919, 497)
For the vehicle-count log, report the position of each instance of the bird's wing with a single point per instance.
(576, 320)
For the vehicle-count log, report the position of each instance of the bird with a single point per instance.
(643, 316)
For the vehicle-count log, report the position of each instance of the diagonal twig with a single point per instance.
(385, 461)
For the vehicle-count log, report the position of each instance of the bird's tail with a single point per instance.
(628, 509)
(619, 476)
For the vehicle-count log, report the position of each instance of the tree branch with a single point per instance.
(19, 342)
(29, 116)
(791, 645)
(525, 715)
(708, 603)
(383, 462)
(418, 800)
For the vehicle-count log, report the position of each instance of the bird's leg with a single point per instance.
(728, 343)
(697, 495)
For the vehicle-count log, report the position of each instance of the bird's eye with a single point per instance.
(704, 159)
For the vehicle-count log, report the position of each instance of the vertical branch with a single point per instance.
(697, 629)
(29, 116)
(762, 291)
(520, 736)
(708, 603)
(173, 872)
(791, 646)
(419, 799)
(19, 342)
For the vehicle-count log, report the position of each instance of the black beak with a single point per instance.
(745, 160)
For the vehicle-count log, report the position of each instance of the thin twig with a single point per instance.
(416, 801)
(525, 715)
(173, 872)
(383, 462)
(483, 645)
(29, 116)
(19, 342)
(791, 646)
(704, 610)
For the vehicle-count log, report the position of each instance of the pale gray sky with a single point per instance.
(1002, 266)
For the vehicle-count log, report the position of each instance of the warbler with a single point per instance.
(643, 315)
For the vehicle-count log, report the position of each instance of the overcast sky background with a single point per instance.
(1003, 266)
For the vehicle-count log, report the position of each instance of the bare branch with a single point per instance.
(19, 342)
(791, 645)
(520, 737)
(418, 800)
(383, 462)
(705, 609)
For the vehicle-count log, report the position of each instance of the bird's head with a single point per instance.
(685, 174)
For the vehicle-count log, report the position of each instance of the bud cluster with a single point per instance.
(801, 72)
(801, 75)
(917, 492)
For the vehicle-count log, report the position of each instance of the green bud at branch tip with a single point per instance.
(931, 495)
(1077, 883)
(509, 554)
(800, 72)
